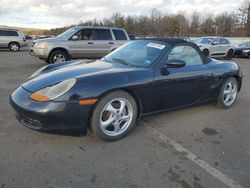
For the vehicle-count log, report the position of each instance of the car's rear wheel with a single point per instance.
(230, 54)
(58, 56)
(14, 46)
(114, 116)
(228, 93)
(206, 52)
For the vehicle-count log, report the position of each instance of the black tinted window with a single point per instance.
(8, 33)
(119, 34)
(102, 34)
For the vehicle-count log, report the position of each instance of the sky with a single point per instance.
(47, 14)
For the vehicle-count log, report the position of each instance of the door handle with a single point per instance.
(111, 42)
(90, 43)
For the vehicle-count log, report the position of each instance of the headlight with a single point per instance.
(35, 74)
(52, 92)
(41, 45)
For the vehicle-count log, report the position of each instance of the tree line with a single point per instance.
(161, 24)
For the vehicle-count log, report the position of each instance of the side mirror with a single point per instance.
(75, 37)
(175, 63)
(214, 43)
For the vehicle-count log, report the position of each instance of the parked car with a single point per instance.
(13, 39)
(216, 47)
(108, 95)
(79, 42)
(243, 50)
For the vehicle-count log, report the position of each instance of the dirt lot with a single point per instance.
(194, 147)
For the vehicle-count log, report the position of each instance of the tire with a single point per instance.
(222, 98)
(205, 52)
(248, 56)
(108, 116)
(14, 46)
(230, 54)
(60, 55)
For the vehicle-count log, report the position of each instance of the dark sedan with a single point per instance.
(243, 50)
(107, 96)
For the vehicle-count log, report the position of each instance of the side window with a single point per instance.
(187, 54)
(224, 41)
(1, 33)
(217, 41)
(11, 33)
(119, 34)
(84, 34)
(102, 34)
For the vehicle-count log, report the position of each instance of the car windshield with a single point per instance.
(137, 53)
(67, 34)
(205, 40)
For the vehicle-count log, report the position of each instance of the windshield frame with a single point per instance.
(153, 63)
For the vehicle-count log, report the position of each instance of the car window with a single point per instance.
(102, 34)
(224, 41)
(1, 33)
(8, 33)
(248, 44)
(187, 54)
(84, 34)
(217, 41)
(119, 34)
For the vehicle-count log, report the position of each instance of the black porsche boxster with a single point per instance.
(107, 96)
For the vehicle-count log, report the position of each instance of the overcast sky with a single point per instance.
(50, 13)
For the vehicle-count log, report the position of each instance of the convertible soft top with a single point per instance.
(169, 41)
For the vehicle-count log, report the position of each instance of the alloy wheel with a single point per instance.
(116, 117)
(230, 93)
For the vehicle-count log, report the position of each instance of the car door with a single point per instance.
(225, 45)
(216, 47)
(180, 86)
(81, 44)
(103, 41)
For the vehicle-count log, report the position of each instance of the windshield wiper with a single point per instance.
(121, 61)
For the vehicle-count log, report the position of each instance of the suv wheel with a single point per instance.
(58, 56)
(230, 54)
(14, 46)
(206, 52)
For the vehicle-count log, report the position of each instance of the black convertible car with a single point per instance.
(243, 50)
(107, 96)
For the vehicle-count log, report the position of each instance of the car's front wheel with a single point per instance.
(58, 56)
(228, 93)
(14, 46)
(114, 116)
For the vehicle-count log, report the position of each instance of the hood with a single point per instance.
(54, 39)
(202, 44)
(80, 69)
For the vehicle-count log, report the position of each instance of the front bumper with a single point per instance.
(240, 53)
(48, 116)
(42, 53)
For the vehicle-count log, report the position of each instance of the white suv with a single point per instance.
(12, 39)
(216, 47)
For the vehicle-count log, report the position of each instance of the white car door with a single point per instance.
(215, 48)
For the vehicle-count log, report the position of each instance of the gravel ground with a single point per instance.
(197, 147)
